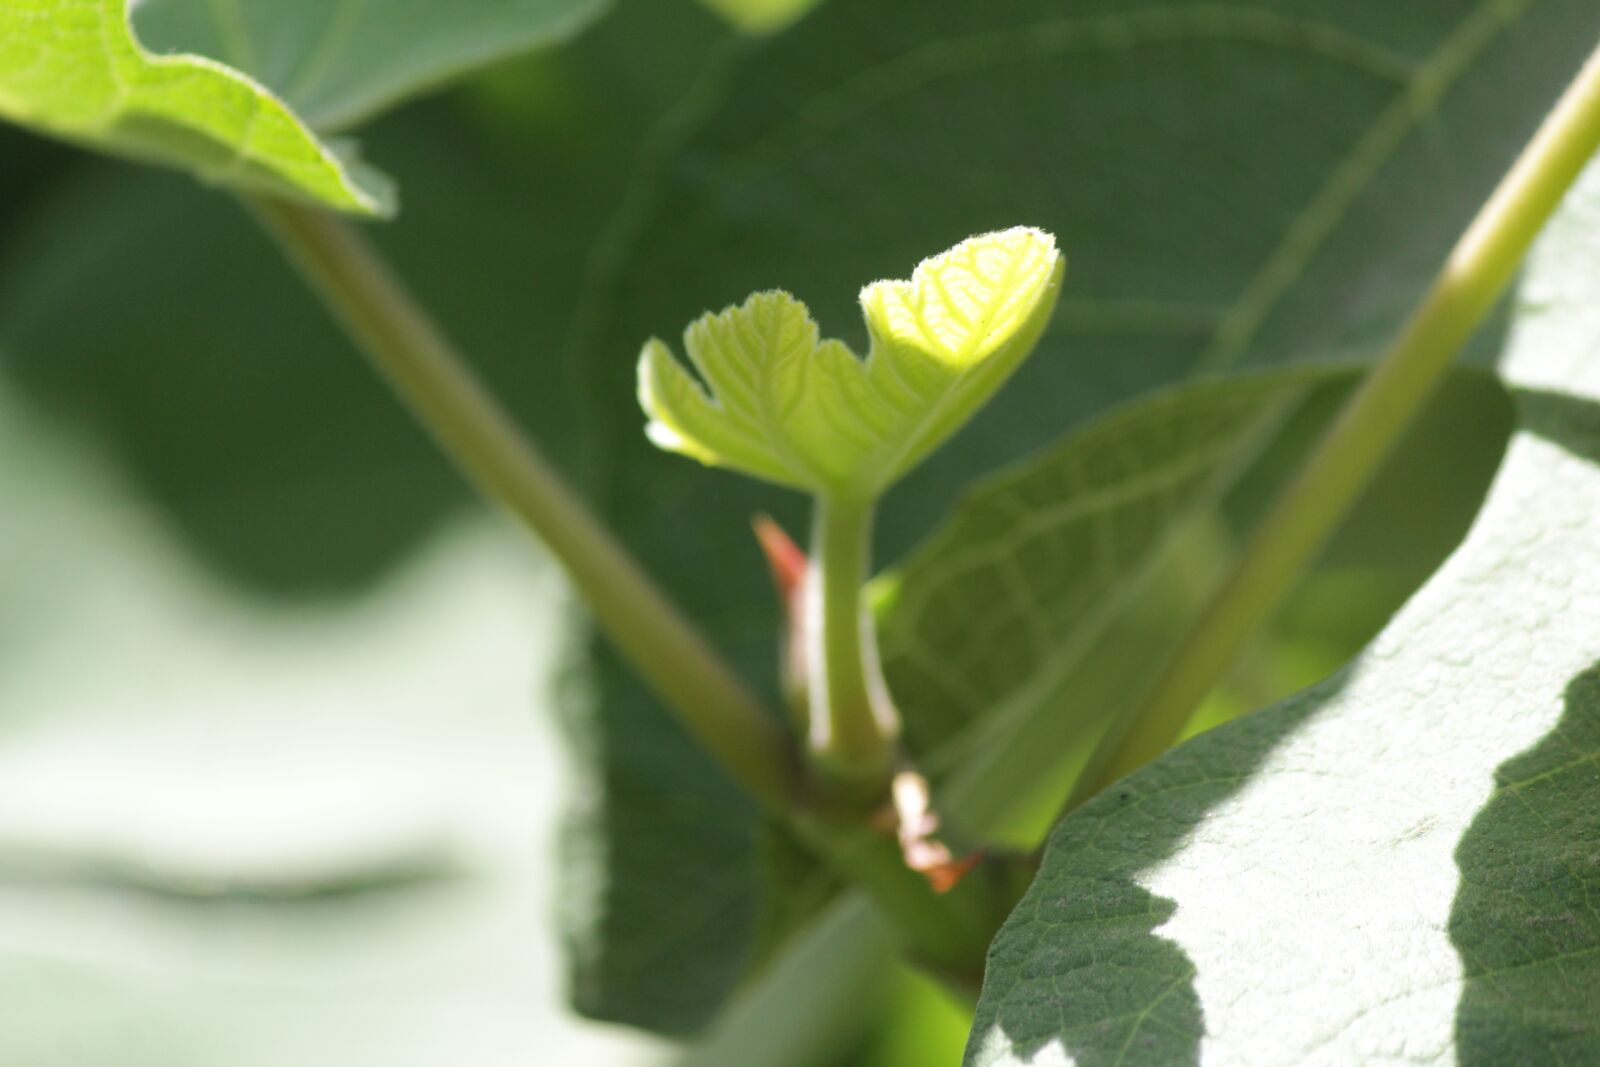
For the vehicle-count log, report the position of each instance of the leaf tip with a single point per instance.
(969, 301)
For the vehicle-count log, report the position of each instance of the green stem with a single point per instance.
(713, 704)
(811, 1004)
(1477, 272)
(852, 726)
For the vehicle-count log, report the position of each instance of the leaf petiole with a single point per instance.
(852, 726)
(1476, 274)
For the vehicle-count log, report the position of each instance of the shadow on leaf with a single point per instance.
(1117, 991)
(1526, 918)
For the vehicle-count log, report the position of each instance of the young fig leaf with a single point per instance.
(780, 403)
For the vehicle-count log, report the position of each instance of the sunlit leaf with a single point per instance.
(72, 68)
(786, 406)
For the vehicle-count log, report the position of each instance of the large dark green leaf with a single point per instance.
(1153, 486)
(1233, 185)
(1399, 864)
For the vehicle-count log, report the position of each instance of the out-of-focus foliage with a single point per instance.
(233, 91)
(72, 68)
(337, 62)
(192, 356)
(236, 831)
(239, 832)
(761, 16)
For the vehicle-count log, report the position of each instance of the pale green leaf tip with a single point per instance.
(656, 368)
(939, 307)
(775, 401)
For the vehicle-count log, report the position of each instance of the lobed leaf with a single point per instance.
(786, 406)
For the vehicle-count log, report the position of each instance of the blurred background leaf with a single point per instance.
(74, 70)
(337, 63)
(260, 826)
(162, 321)
(761, 16)
(242, 832)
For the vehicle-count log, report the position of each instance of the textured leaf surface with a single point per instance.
(784, 405)
(1330, 152)
(72, 68)
(1399, 865)
(338, 61)
(1036, 564)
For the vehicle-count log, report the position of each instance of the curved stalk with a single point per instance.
(1476, 274)
(709, 699)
